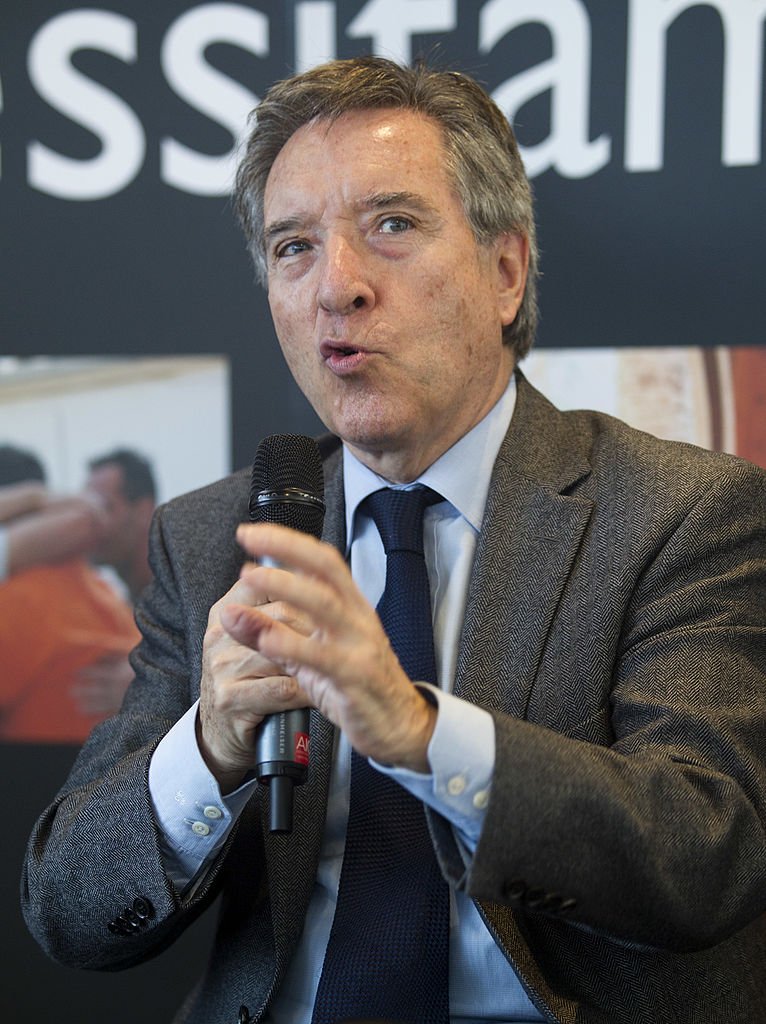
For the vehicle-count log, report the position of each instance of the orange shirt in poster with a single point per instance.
(55, 621)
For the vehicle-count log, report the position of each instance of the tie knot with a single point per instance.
(398, 516)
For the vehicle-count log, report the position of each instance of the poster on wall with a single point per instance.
(88, 448)
(711, 397)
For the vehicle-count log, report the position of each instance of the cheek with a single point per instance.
(279, 316)
(294, 330)
(300, 366)
(451, 317)
(453, 292)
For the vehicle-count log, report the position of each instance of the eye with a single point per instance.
(292, 248)
(395, 225)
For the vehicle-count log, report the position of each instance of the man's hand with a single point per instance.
(239, 687)
(283, 639)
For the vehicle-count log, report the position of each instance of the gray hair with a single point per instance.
(482, 155)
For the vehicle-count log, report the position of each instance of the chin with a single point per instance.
(368, 425)
(370, 437)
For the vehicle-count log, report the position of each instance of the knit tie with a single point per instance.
(388, 952)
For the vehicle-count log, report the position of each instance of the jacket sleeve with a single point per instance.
(94, 892)
(646, 820)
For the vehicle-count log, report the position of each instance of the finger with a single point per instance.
(298, 552)
(227, 658)
(240, 593)
(300, 602)
(255, 698)
(296, 652)
(247, 625)
(274, 640)
(269, 601)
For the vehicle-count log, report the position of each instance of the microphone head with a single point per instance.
(287, 485)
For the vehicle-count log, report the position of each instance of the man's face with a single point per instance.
(389, 314)
(106, 482)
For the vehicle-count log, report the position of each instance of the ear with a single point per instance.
(512, 262)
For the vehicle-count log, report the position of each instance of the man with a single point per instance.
(123, 481)
(594, 780)
(29, 512)
(65, 634)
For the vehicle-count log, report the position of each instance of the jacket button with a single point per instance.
(535, 898)
(143, 908)
(132, 919)
(515, 891)
(130, 923)
(553, 902)
(119, 926)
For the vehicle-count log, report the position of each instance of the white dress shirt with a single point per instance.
(195, 818)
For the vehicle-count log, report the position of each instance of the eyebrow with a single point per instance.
(384, 200)
(280, 227)
(373, 201)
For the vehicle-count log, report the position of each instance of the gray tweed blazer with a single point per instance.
(615, 628)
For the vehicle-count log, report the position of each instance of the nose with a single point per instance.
(344, 285)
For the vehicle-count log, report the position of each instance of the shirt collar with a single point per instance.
(461, 475)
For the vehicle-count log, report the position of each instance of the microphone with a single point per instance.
(287, 487)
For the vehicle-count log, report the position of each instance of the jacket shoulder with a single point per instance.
(582, 444)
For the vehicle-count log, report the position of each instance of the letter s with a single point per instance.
(87, 103)
(209, 91)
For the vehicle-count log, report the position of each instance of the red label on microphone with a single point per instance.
(301, 752)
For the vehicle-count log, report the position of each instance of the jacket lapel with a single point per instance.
(531, 531)
(532, 528)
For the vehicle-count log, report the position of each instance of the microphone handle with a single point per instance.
(282, 758)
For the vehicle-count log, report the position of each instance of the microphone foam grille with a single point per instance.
(285, 462)
(288, 460)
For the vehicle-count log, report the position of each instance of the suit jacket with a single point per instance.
(614, 627)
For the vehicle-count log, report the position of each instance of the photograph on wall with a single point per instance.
(712, 397)
(88, 449)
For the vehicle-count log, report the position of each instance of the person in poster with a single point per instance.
(65, 634)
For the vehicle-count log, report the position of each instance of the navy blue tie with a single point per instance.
(388, 953)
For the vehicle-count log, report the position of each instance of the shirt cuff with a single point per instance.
(462, 758)
(193, 817)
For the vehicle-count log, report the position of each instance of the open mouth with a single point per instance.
(334, 349)
(342, 359)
